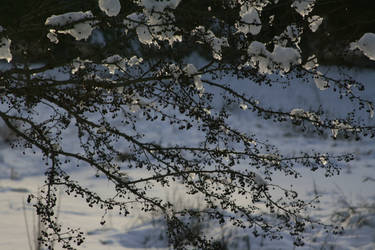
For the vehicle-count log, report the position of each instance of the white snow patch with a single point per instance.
(70, 17)
(315, 22)
(297, 112)
(215, 42)
(243, 106)
(340, 125)
(323, 160)
(117, 62)
(144, 35)
(303, 7)
(191, 70)
(320, 81)
(152, 26)
(312, 63)
(259, 180)
(159, 5)
(259, 57)
(52, 36)
(134, 60)
(366, 44)
(5, 49)
(371, 108)
(300, 113)
(250, 22)
(80, 30)
(283, 57)
(110, 7)
(286, 57)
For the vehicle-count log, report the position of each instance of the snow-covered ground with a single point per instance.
(347, 199)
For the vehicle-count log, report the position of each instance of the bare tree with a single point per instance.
(109, 70)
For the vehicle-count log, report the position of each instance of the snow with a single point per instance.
(159, 5)
(366, 44)
(67, 18)
(243, 106)
(210, 38)
(259, 180)
(281, 58)
(115, 62)
(144, 35)
(147, 231)
(21, 174)
(150, 27)
(320, 81)
(286, 57)
(251, 22)
(191, 70)
(5, 49)
(303, 7)
(52, 36)
(134, 60)
(79, 31)
(312, 63)
(315, 22)
(110, 7)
